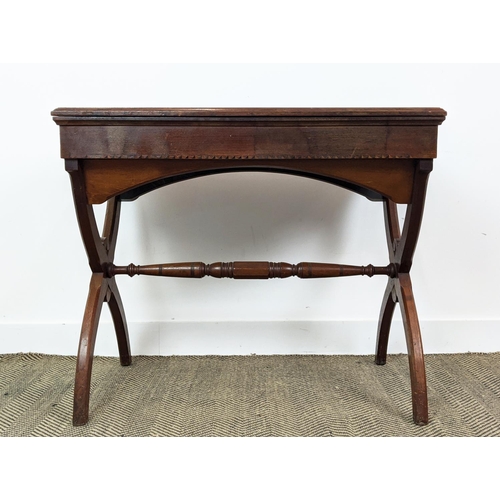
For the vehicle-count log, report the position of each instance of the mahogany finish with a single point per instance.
(115, 155)
(251, 270)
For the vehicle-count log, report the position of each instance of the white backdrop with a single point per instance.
(250, 216)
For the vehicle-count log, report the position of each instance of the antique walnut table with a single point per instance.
(114, 155)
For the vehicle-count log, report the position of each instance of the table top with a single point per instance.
(248, 133)
(412, 115)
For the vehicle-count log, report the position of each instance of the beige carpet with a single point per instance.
(250, 396)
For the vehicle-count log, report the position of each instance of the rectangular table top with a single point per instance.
(248, 133)
(428, 115)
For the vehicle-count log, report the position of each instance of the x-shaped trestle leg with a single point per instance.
(399, 289)
(100, 251)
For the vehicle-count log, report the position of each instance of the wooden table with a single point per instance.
(115, 155)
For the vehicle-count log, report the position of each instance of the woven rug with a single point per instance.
(296, 395)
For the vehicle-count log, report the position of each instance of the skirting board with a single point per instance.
(252, 337)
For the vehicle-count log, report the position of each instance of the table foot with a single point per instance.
(97, 294)
(415, 350)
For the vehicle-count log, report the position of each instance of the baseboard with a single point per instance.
(252, 337)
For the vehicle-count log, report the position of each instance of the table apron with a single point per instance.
(104, 179)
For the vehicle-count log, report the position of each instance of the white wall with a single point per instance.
(250, 216)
